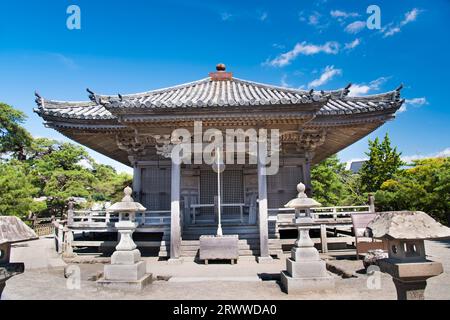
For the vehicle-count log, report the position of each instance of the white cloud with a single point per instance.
(263, 16)
(362, 88)
(409, 17)
(441, 154)
(392, 31)
(283, 81)
(225, 16)
(353, 44)
(313, 19)
(445, 153)
(343, 14)
(355, 27)
(68, 62)
(329, 73)
(415, 102)
(306, 49)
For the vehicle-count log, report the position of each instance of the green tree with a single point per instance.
(60, 171)
(425, 187)
(109, 185)
(14, 139)
(327, 179)
(64, 170)
(384, 162)
(17, 191)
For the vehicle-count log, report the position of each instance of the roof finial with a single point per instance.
(221, 67)
(400, 87)
(220, 73)
(120, 96)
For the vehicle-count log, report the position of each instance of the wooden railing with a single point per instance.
(104, 218)
(328, 213)
(241, 207)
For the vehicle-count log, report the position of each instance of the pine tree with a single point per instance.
(384, 162)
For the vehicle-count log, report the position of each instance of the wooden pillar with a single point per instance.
(307, 174)
(175, 227)
(371, 203)
(137, 182)
(323, 238)
(70, 212)
(263, 213)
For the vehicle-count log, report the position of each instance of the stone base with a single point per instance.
(306, 269)
(268, 259)
(125, 285)
(126, 257)
(124, 272)
(301, 285)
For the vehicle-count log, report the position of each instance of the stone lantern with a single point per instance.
(305, 270)
(127, 270)
(405, 232)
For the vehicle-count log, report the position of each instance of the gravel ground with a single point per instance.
(195, 281)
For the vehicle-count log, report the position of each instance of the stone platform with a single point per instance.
(126, 285)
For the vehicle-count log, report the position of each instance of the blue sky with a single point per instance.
(133, 46)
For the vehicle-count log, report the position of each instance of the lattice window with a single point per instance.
(282, 187)
(156, 188)
(232, 187)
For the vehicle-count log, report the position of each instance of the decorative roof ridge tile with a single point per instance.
(155, 91)
(99, 97)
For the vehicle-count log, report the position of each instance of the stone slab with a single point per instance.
(268, 259)
(410, 271)
(302, 285)
(225, 247)
(126, 285)
(117, 272)
(175, 261)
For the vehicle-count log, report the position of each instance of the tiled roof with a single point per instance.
(211, 93)
(72, 110)
(219, 93)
